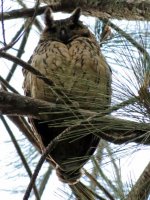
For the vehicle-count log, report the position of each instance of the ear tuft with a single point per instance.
(48, 19)
(76, 15)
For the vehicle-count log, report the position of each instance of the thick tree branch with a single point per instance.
(99, 8)
(121, 131)
(14, 104)
(109, 128)
(22, 13)
(111, 8)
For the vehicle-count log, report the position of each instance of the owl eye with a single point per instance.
(52, 29)
(72, 26)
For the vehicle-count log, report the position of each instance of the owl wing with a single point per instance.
(50, 58)
(91, 75)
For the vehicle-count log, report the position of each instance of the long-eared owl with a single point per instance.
(69, 55)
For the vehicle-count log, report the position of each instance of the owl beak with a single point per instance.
(63, 31)
(64, 35)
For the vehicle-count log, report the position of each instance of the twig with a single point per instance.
(22, 13)
(98, 156)
(44, 181)
(119, 191)
(144, 89)
(18, 149)
(47, 151)
(7, 85)
(24, 127)
(21, 3)
(81, 191)
(8, 46)
(36, 171)
(26, 66)
(130, 39)
(105, 178)
(99, 185)
(19, 54)
(3, 27)
(17, 34)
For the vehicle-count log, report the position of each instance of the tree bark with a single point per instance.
(114, 9)
(14, 104)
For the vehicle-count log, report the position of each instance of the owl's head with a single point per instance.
(64, 30)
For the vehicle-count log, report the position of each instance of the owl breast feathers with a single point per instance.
(69, 55)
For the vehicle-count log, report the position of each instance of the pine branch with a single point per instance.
(81, 191)
(45, 153)
(19, 53)
(109, 128)
(136, 44)
(5, 85)
(103, 189)
(44, 181)
(107, 181)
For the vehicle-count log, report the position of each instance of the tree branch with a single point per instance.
(109, 128)
(103, 189)
(98, 8)
(22, 13)
(14, 104)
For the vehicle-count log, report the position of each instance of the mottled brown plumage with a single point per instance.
(69, 55)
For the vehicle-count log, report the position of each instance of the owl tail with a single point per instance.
(71, 177)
